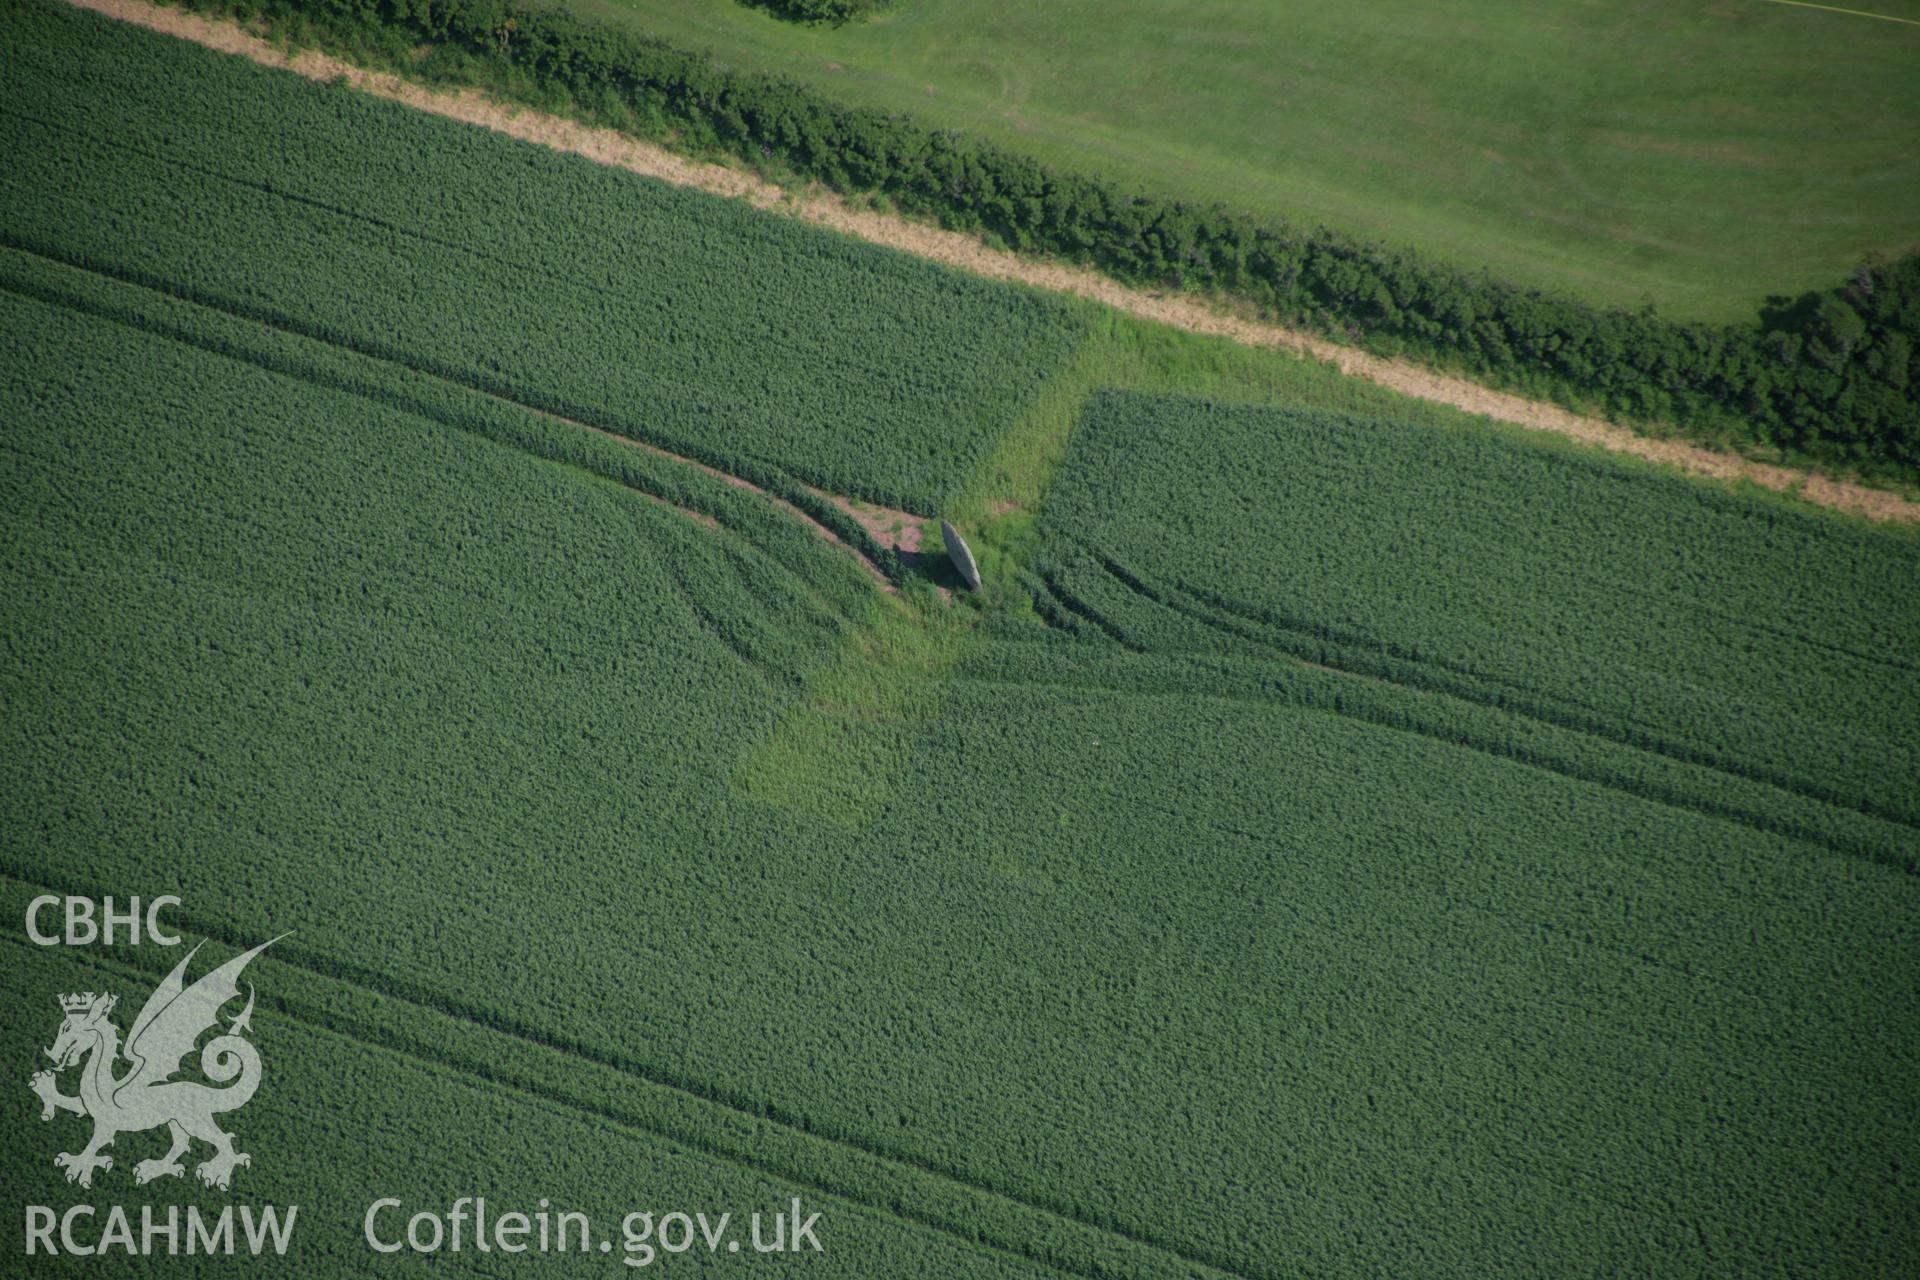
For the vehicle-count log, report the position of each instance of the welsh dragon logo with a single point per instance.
(146, 1097)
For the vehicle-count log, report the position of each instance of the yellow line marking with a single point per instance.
(1857, 13)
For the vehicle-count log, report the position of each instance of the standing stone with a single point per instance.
(961, 554)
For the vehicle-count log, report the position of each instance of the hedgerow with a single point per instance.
(1131, 961)
(1830, 376)
(831, 12)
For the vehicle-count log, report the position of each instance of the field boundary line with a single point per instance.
(291, 956)
(1855, 13)
(967, 253)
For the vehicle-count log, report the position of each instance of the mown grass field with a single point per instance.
(1701, 156)
(1346, 839)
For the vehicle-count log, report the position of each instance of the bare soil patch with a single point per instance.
(606, 146)
(892, 528)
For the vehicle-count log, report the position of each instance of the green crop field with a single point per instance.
(1345, 838)
(822, 359)
(1567, 593)
(1701, 155)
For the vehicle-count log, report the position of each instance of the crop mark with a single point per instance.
(966, 253)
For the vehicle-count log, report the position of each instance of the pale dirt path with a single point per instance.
(888, 526)
(605, 146)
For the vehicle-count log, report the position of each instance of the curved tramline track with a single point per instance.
(879, 526)
(1386, 846)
